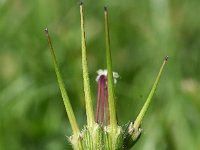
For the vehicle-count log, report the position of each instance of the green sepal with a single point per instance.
(130, 136)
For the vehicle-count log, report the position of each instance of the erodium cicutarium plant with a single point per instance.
(102, 131)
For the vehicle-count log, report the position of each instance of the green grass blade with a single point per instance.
(66, 101)
(111, 92)
(149, 98)
(86, 81)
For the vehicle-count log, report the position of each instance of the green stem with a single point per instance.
(66, 101)
(149, 98)
(87, 91)
(111, 92)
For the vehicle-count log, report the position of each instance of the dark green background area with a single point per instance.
(32, 114)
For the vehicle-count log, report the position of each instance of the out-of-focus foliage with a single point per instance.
(32, 114)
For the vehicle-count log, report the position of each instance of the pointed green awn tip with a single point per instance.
(166, 58)
(139, 118)
(86, 81)
(81, 2)
(105, 8)
(111, 91)
(133, 130)
(66, 101)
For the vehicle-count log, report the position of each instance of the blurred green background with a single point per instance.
(32, 114)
